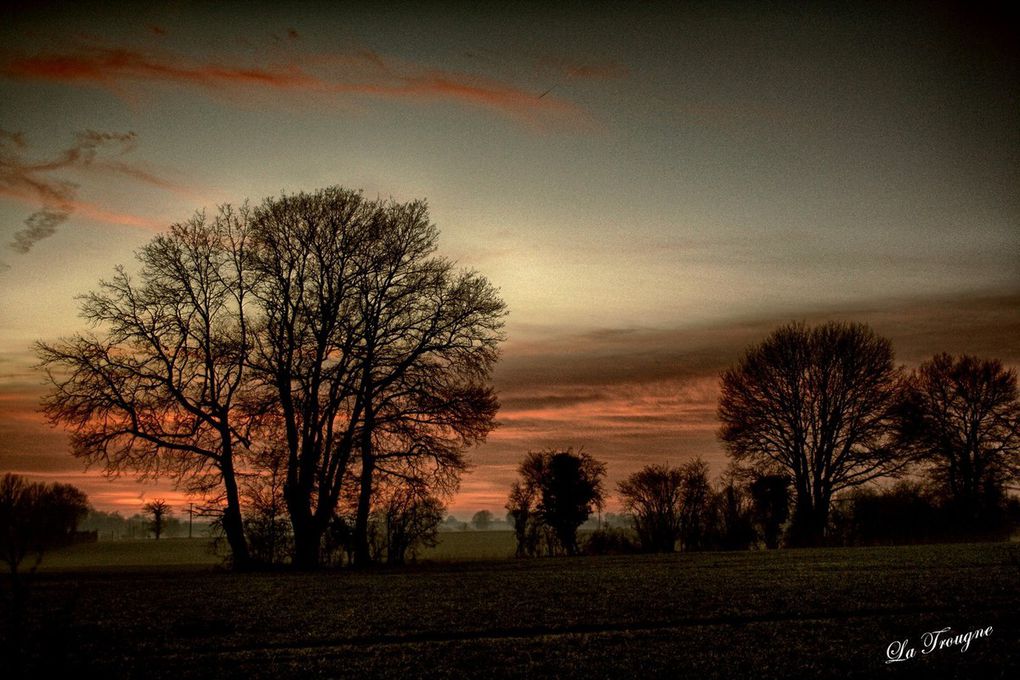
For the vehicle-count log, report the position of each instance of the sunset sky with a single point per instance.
(651, 189)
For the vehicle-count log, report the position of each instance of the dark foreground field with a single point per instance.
(811, 613)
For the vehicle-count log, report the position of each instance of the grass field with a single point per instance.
(453, 546)
(806, 613)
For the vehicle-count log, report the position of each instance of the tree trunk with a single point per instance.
(809, 522)
(307, 541)
(362, 553)
(307, 538)
(233, 525)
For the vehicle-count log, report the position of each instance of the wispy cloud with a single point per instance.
(567, 68)
(40, 183)
(364, 73)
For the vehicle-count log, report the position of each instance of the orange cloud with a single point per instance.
(365, 74)
(95, 212)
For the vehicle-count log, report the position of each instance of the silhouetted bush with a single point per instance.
(900, 515)
(911, 512)
(610, 541)
(770, 506)
(556, 493)
(654, 496)
(729, 522)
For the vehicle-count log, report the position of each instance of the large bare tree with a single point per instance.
(161, 388)
(815, 403)
(308, 255)
(960, 417)
(320, 325)
(431, 337)
(372, 347)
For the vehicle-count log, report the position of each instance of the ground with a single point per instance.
(799, 613)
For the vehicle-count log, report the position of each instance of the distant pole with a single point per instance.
(191, 513)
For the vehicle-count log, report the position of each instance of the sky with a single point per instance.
(651, 187)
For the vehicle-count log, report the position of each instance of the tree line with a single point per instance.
(317, 370)
(310, 361)
(810, 418)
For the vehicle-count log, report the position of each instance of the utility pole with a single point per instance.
(191, 517)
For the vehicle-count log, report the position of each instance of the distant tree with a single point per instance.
(695, 498)
(731, 526)
(36, 517)
(816, 402)
(559, 489)
(451, 523)
(960, 418)
(106, 524)
(482, 520)
(654, 496)
(770, 499)
(158, 512)
(410, 520)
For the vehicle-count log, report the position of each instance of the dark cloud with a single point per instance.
(39, 225)
(37, 181)
(573, 365)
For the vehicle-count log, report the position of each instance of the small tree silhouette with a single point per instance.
(654, 495)
(960, 418)
(481, 520)
(158, 512)
(558, 490)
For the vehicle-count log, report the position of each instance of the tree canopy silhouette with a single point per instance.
(321, 326)
(557, 489)
(960, 418)
(654, 497)
(815, 403)
(162, 390)
(158, 512)
(482, 520)
(374, 352)
(35, 517)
